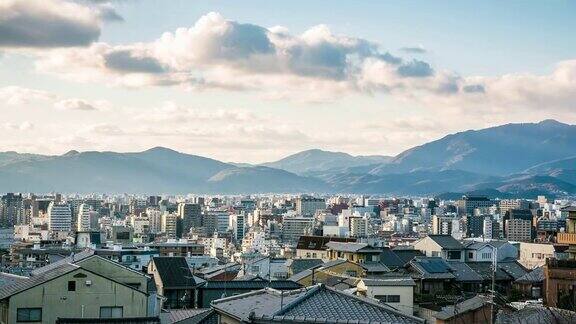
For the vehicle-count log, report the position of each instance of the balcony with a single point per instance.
(566, 238)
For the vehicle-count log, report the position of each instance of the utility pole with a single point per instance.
(494, 267)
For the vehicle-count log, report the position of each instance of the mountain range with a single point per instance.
(512, 160)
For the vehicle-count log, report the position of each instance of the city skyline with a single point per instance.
(224, 80)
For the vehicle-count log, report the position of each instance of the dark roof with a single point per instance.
(251, 284)
(398, 281)
(175, 273)
(316, 304)
(463, 272)
(534, 276)
(390, 259)
(319, 242)
(75, 257)
(406, 255)
(432, 268)
(473, 303)
(513, 268)
(446, 242)
(484, 269)
(125, 320)
(193, 316)
(34, 281)
(299, 265)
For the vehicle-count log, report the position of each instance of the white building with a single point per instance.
(307, 206)
(59, 217)
(238, 225)
(87, 218)
(294, 227)
(395, 292)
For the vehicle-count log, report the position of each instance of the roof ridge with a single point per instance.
(308, 292)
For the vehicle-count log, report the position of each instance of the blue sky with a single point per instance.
(480, 64)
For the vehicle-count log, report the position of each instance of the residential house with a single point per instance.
(322, 273)
(396, 292)
(213, 290)
(175, 281)
(444, 246)
(316, 304)
(486, 251)
(354, 252)
(314, 247)
(473, 310)
(77, 291)
(432, 275)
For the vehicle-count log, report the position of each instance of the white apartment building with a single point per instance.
(87, 219)
(59, 217)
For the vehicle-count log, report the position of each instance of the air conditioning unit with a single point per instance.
(88, 282)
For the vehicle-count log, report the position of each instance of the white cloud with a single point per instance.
(23, 126)
(74, 104)
(14, 95)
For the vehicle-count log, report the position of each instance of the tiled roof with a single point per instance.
(446, 242)
(327, 265)
(316, 304)
(190, 316)
(463, 272)
(346, 247)
(534, 276)
(469, 304)
(84, 254)
(484, 269)
(251, 284)
(399, 281)
(175, 273)
(390, 259)
(406, 255)
(34, 281)
(375, 267)
(306, 242)
(513, 268)
(8, 279)
(299, 265)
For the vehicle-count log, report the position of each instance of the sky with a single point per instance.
(254, 81)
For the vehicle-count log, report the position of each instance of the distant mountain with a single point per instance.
(318, 160)
(159, 170)
(261, 179)
(500, 150)
(410, 183)
(513, 160)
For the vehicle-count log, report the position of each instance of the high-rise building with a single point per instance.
(87, 218)
(518, 225)
(442, 225)
(507, 204)
(171, 225)
(468, 204)
(154, 220)
(307, 206)
(238, 225)
(475, 225)
(358, 226)
(191, 216)
(59, 217)
(294, 227)
(10, 208)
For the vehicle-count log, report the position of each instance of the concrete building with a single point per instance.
(468, 204)
(59, 217)
(87, 218)
(191, 216)
(294, 227)
(307, 206)
(518, 225)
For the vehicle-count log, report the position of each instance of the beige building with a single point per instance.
(396, 292)
(91, 288)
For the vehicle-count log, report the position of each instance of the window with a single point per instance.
(111, 312)
(393, 298)
(388, 298)
(72, 285)
(470, 255)
(29, 315)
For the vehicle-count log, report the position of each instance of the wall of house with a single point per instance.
(56, 301)
(533, 255)
(406, 293)
(312, 254)
(428, 247)
(115, 272)
(341, 269)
